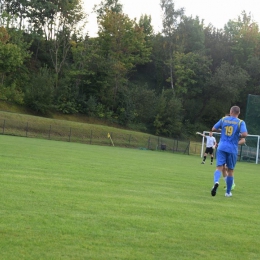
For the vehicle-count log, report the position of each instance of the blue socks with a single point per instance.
(229, 180)
(217, 175)
(229, 183)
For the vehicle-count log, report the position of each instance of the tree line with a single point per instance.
(170, 83)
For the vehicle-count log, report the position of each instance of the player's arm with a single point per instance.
(217, 127)
(242, 141)
(243, 135)
(215, 145)
(198, 133)
(214, 129)
(243, 130)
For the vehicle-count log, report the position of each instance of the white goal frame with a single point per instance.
(216, 133)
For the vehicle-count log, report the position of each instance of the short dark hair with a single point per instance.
(235, 110)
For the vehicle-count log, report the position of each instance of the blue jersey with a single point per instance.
(230, 127)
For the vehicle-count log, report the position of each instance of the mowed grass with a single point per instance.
(64, 200)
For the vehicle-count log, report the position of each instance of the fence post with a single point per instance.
(240, 156)
(174, 145)
(129, 139)
(50, 132)
(111, 139)
(187, 149)
(70, 134)
(27, 129)
(4, 127)
(90, 141)
(149, 141)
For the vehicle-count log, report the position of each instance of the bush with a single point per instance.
(39, 93)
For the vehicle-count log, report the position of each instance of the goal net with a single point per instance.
(250, 152)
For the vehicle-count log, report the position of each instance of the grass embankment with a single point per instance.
(78, 128)
(67, 130)
(62, 200)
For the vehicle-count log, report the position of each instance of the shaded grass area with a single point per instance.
(64, 200)
(68, 129)
(72, 131)
(18, 121)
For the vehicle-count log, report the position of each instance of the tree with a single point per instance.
(144, 74)
(192, 76)
(12, 52)
(192, 72)
(245, 38)
(66, 22)
(10, 59)
(145, 102)
(168, 119)
(171, 19)
(145, 23)
(54, 20)
(228, 83)
(88, 71)
(160, 70)
(123, 46)
(217, 46)
(111, 5)
(253, 69)
(39, 92)
(191, 37)
(17, 10)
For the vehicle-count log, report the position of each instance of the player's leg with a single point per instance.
(205, 156)
(211, 155)
(224, 174)
(233, 184)
(218, 171)
(231, 162)
(229, 183)
(217, 175)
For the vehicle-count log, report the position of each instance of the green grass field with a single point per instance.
(62, 200)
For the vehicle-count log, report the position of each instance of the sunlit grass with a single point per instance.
(63, 200)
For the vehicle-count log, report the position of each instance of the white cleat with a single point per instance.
(228, 194)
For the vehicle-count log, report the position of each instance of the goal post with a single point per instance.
(250, 151)
(246, 153)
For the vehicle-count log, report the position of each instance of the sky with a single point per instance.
(216, 12)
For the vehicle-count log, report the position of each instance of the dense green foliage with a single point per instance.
(170, 83)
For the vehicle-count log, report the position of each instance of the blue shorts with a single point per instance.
(230, 159)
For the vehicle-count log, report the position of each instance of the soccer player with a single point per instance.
(211, 142)
(232, 129)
